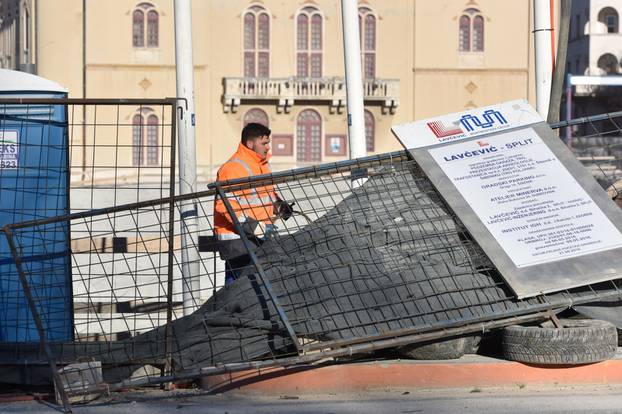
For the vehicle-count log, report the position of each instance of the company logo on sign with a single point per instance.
(441, 130)
(491, 117)
(465, 125)
(469, 122)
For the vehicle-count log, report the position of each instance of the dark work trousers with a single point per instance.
(235, 266)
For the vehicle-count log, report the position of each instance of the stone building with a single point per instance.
(281, 63)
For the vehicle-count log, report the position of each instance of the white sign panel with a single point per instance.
(9, 150)
(463, 125)
(526, 198)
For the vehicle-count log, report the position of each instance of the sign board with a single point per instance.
(536, 212)
(9, 150)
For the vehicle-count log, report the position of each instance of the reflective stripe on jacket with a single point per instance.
(253, 203)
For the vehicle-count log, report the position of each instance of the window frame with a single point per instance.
(364, 12)
(256, 11)
(471, 14)
(309, 11)
(246, 120)
(368, 115)
(604, 14)
(146, 10)
(310, 158)
(144, 152)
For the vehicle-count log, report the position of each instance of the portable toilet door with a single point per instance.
(34, 185)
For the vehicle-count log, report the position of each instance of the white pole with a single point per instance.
(544, 54)
(187, 155)
(354, 78)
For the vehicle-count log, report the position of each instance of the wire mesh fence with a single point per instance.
(368, 257)
(597, 143)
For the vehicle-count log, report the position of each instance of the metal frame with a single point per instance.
(8, 229)
(309, 352)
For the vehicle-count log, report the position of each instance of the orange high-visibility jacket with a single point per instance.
(253, 203)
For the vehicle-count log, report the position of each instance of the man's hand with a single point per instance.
(260, 229)
(283, 210)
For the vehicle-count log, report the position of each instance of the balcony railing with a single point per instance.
(286, 91)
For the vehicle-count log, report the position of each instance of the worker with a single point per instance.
(256, 208)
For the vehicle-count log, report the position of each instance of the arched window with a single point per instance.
(370, 131)
(309, 136)
(465, 33)
(608, 63)
(138, 28)
(152, 140)
(256, 115)
(367, 27)
(478, 34)
(609, 16)
(152, 27)
(309, 39)
(256, 42)
(137, 140)
(145, 138)
(471, 31)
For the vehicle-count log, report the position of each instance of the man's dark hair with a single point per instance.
(254, 130)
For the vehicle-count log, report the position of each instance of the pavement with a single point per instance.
(513, 400)
(471, 384)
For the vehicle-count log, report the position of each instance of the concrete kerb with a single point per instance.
(468, 371)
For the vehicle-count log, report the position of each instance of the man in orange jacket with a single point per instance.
(255, 208)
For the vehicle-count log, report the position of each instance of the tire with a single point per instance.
(581, 341)
(448, 349)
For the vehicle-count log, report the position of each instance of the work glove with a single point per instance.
(254, 227)
(260, 229)
(283, 210)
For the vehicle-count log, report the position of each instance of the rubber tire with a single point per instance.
(448, 349)
(581, 341)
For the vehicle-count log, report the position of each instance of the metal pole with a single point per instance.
(354, 78)
(543, 50)
(187, 154)
(560, 67)
(569, 109)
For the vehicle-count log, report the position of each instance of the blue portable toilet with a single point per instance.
(34, 184)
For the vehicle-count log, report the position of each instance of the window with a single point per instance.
(309, 136)
(256, 115)
(577, 23)
(367, 27)
(608, 63)
(370, 127)
(336, 145)
(609, 16)
(145, 142)
(471, 31)
(256, 42)
(152, 27)
(309, 39)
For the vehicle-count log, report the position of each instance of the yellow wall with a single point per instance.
(417, 43)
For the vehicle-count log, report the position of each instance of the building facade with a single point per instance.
(594, 49)
(17, 35)
(281, 63)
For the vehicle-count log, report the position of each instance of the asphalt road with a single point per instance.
(520, 399)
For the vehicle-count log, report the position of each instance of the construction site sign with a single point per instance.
(536, 212)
